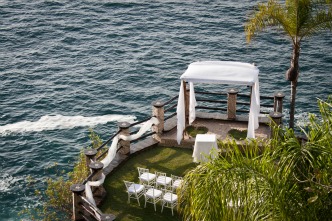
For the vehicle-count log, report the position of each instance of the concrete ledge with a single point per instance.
(262, 118)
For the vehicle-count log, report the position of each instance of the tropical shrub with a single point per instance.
(286, 178)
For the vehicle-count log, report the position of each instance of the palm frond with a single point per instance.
(321, 20)
(298, 19)
(271, 14)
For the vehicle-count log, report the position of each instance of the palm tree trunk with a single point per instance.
(292, 75)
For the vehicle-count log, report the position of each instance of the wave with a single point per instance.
(58, 122)
(6, 181)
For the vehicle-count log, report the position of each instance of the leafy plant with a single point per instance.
(237, 134)
(193, 131)
(289, 179)
(57, 198)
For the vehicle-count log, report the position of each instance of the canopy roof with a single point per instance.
(221, 72)
(218, 72)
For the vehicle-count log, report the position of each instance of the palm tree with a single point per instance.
(298, 19)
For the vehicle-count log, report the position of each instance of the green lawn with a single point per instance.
(176, 161)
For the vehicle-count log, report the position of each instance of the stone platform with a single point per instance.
(217, 124)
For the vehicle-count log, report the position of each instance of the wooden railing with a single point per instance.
(82, 208)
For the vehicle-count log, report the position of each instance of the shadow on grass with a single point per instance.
(176, 161)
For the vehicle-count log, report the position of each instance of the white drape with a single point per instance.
(219, 72)
(88, 192)
(192, 103)
(254, 110)
(112, 152)
(181, 115)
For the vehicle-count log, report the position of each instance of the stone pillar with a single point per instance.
(77, 190)
(186, 102)
(158, 112)
(90, 155)
(124, 145)
(231, 103)
(107, 217)
(276, 121)
(97, 168)
(278, 97)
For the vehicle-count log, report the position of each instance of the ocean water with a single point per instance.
(67, 66)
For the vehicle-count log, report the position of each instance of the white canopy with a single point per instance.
(219, 72)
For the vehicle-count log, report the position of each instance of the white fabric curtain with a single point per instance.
(112, 152)
(219, 72)
(181, 115)
(253, 122)
(192, 103)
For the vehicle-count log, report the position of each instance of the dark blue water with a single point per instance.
(66, 66)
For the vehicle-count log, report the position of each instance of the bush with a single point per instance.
(57, 198)
(289, 179)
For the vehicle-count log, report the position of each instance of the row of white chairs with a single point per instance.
(152, 195)
(155, 187)
(159, 179)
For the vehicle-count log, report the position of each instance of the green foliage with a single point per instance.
(57, 198)
(298, 19)
(289, 179)
(193, 131)
(237, 134)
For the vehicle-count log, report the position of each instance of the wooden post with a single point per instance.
(90, 155)
(276, 121)
(186, 102)
(124, 145)
(158, 112)
(231, 103)
(77, 190)
(278, 97)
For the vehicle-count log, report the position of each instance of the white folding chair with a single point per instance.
(169, 200)
(145, 177)
(134, 190)
(152, 195)
(176, 182)
(163, 180)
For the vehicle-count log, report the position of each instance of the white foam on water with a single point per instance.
(302, 119)
(6, 181)
(57, 122)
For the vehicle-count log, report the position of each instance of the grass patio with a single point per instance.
(176, 161)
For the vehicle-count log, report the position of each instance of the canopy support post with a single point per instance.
(186, 102)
